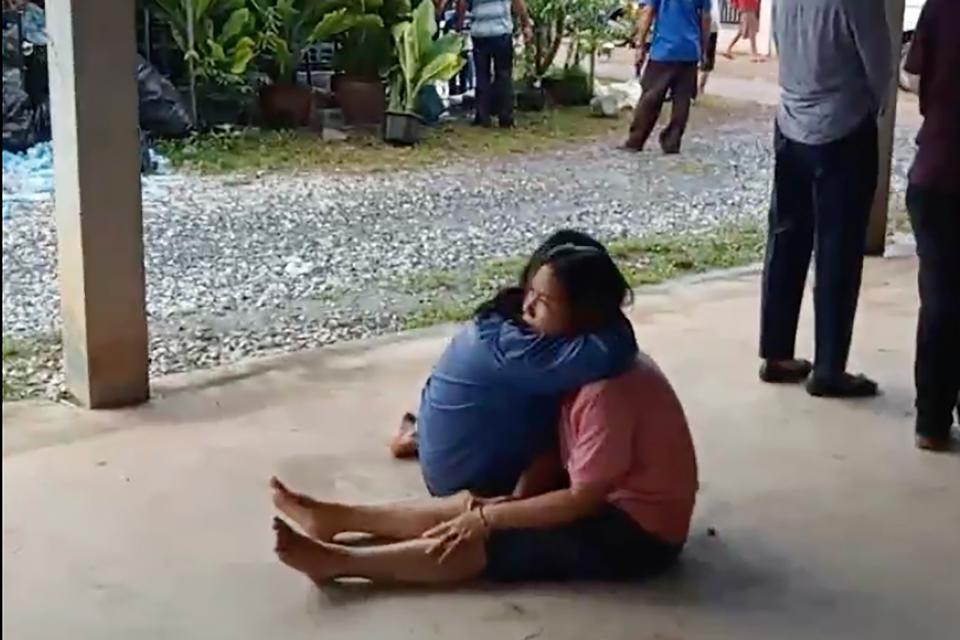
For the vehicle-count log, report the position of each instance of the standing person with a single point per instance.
(835, 71)
(749, 27)
(709, 60)
(933, 199)
(491, 30)
(679, 36)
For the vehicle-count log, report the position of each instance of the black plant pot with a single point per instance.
(403, 129)
(531, 97)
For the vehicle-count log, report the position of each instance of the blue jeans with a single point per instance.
(821, 197)
(493, 58)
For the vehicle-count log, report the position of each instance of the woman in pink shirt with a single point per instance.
(613, 503)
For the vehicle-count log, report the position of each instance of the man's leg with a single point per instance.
(503, 80)
(656, 81)
(483, 58)
(684, 86)
(400, 563)
(399, 521)
(843, 193)
(936, 227)
(790, 232)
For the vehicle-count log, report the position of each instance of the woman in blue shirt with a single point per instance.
(491, 403)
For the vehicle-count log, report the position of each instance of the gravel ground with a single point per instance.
(243, 266)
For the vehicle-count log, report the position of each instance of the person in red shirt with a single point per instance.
(749, 27)
(933, 200)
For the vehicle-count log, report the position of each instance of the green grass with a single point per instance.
(644, 261)
(257, 150)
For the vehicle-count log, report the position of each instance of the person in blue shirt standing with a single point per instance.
(491, 404)
(681, 29)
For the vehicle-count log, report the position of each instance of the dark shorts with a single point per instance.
(710, 55)
(607, 546)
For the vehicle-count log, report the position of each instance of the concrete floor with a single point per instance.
(155, 523)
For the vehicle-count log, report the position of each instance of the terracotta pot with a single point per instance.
(285, 105)
(363, 102)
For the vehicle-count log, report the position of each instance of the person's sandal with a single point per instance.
(845, 385)
(778, 373)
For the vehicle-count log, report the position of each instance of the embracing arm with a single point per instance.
(547, 510)
(550, 365)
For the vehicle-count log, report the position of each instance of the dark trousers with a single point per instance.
(935, 217)
(493, 58)
(680, 79)
(821, 198)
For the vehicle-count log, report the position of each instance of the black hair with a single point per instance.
(596, 289)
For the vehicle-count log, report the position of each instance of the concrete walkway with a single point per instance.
(155, 523)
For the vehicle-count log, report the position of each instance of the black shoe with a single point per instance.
(486, 124)
(778, 373)
(507, 124)
(844, 385)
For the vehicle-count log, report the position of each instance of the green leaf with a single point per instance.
(236, 24)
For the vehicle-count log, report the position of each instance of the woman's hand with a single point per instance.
(449, 535)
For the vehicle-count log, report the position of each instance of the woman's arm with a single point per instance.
(552, 509)
(548, 365)
(547, 510)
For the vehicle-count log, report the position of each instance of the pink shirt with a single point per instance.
(630, 433)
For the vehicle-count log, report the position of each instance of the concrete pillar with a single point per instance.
(765, 34)
(93, 96)
(877, 230)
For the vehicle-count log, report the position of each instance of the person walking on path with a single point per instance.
(491, 31)
(933, 200)
(749, 28)
(680, 34)
(835, 72)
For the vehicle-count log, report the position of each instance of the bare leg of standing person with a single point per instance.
(399, 521)
(398, 563)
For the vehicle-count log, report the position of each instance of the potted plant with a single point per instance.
(287, 28)
(215, 37)
(422, 59)
(363, 57)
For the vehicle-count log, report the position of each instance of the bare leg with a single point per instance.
(728, 54)
(398, 563)
(704, 76)
(400, 521)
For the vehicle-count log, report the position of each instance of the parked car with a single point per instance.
(911, 15)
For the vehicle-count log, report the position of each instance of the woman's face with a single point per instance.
(545, 306)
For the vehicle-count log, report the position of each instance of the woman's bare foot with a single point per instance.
(727, 54)
(404, 443)
(317, 519)
(306, 556)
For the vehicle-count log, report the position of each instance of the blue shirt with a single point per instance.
(676, 30)
(492, 402)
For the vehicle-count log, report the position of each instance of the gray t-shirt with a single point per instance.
(835, 66)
